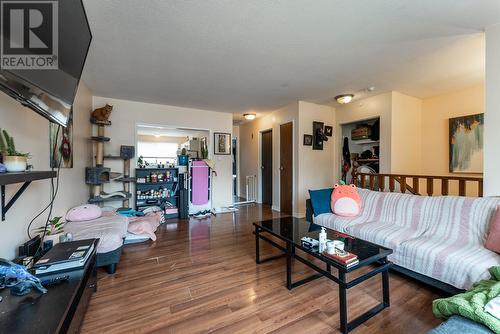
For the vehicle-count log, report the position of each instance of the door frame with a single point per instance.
(259, 163)
(294, 172)
(259, 183)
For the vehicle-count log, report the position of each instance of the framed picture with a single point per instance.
(222, 143)
(63, 152)
(308, 140)
(466, 144)
(318, 135)
(328, 130)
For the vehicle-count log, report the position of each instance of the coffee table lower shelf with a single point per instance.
(289, 251)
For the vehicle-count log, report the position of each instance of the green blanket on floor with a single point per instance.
(470, 304)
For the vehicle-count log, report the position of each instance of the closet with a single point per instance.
(360, 148)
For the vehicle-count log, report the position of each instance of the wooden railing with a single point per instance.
(377, 182)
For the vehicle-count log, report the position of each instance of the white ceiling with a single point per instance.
(258, 55)
(150, 130)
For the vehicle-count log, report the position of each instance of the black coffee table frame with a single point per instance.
(382, 266)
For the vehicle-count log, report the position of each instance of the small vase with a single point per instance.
(15, 163)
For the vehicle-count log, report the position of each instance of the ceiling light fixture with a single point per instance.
(344, 98)
(249, 116)
(157, 135)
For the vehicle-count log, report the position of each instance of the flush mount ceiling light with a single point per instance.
(344, 98)
(249, 116)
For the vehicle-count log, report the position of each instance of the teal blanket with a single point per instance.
(470, 304)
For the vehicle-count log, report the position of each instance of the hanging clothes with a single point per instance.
(346, 159)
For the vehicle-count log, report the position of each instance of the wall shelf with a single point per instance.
(22, 177)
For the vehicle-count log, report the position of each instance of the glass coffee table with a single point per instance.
(291, 230)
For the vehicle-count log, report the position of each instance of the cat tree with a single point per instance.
(99, 175)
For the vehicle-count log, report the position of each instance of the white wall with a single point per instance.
(492, 113)
(31, 133)
(315, 170)
(127, 114)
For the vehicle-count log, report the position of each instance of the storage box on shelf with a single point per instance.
(158, 187)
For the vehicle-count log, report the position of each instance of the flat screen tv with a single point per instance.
(51, 92)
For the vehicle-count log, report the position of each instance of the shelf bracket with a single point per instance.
(6, 207)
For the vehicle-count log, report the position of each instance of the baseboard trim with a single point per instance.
(275, 208)
(299, 214)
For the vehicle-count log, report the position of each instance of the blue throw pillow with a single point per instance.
(320, 201)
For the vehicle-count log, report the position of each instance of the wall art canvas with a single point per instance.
(466, 144)
(63, 152)
(222, 143)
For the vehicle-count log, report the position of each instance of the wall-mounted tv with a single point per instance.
(49, 92)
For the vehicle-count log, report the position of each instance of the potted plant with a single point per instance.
(13, 160)
(183, 158)
(53, 230)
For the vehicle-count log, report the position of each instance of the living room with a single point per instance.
(264, 108)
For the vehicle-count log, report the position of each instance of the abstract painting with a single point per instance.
(466, 144)
(61, 144)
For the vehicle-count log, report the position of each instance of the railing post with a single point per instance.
(381, 182)
(362, 180)
(444, 187)
(402, 183)
(430, 186)
(462, 188)
(416, 185)
(391, 183)
(480, 188)
(372, 182)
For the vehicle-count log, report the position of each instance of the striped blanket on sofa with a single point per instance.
(440, 237)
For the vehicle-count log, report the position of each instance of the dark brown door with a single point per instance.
(286, 167)
(267, 167)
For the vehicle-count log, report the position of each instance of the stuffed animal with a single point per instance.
(346, 201)
(102, 114)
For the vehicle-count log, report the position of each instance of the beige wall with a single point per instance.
(128, 114)
(31, 132)
(414, 132)
(436, 113)
(369, 108)
(315, 166)
(312, 168)
(406, 137)
(250, 142)
(492, 113)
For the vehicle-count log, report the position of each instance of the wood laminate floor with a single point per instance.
(201, 277)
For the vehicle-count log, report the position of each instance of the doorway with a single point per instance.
(286, 168)
(267, 167)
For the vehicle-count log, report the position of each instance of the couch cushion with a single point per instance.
(320, 200)
(386, 234)
(493, 240)
(447, 260)
(464, 218)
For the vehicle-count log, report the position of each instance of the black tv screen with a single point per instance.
(49, 91)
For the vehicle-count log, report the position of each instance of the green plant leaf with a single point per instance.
(3, 146)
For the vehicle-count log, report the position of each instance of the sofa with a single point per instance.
(439, 240)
